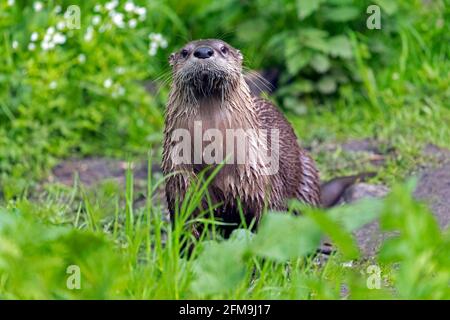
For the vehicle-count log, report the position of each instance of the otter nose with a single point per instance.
(203, 52)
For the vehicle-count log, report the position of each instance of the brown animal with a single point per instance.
(209, 96)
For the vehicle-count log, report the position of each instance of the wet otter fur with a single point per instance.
(209, 88)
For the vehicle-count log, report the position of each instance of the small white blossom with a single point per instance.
(11, 2)
(97, 8)
(117, 19)
(45, 45)
(132, 23)
(111, 5)
(58, 9)
(53, 85)
(89, 34)
(81, 58)
(107, 83)
(38, 6)
(31, 46)
(34, 36)
(60, 25)
(348, 264)
(59, 38)
(15, 44)
(51, 30)
(129, 6)
(152, 50)
(156, 41)
(141, 11)
(96, 20)
(120, 70)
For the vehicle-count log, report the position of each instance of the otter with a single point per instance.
(209, 96)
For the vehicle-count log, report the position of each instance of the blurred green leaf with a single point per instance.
(282, 237)
(340, 46)
(342, 14)
(327, 85)
(220, 267)
(320, 63)
(307, 7)
(390, 7)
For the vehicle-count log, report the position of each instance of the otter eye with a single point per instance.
(224, 49)
(184, 53)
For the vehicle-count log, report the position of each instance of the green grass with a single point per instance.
(126, 252)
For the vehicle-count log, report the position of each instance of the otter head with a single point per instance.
(206, 68)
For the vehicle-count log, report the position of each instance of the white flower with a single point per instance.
(348, 264)
(31, 46)
(156, 41)
(155, 37)
(34, 36)
(60, 25)
(96, 20)
(121, 91)
(152, 50)
(81, 58)
(53, 85)
(38, 6)
(97, 8)
(107, 83)
(120, 70)
(111, 5)
(129, 6)
(11, 2)
(132, 23)
(58, 9)
(45, 45)
(141, 11)
(89, 34)
(117, 19)
(15, 44)
(59, 38)
(51, 30)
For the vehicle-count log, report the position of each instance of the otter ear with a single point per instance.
(239, 55)
(172, 59)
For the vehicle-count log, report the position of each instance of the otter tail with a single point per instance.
(332, 190)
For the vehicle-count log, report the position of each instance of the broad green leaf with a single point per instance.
(296, 57)
(315, 39)
(307, 7)
(219, 268)
(327, 85)
(339, 236)
(342, 14)
(390, 7)
(282, 237)
(251, 30)
(320, 63)
(340, 46)
(356, 215)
